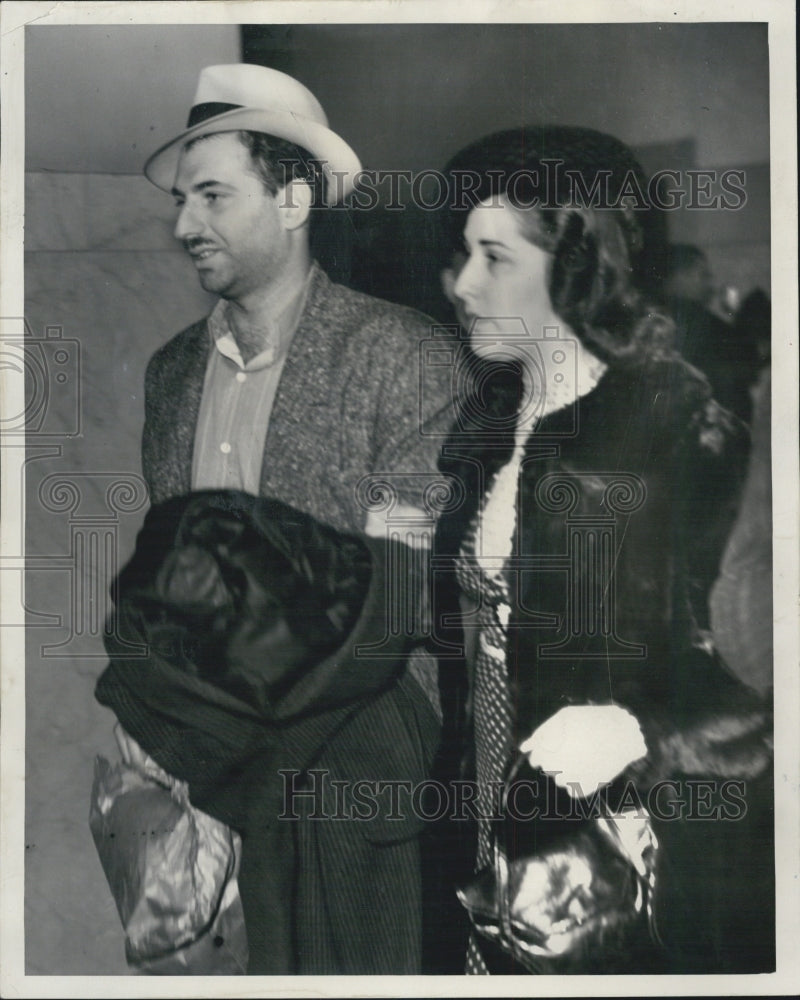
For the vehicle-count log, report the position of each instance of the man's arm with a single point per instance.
(173, 387)
(415, 413)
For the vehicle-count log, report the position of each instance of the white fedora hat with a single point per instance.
(259, 99)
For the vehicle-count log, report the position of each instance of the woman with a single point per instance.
(598, 481)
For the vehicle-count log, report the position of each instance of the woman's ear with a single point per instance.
(294, 204)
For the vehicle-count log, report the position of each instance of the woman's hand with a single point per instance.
(585, 746)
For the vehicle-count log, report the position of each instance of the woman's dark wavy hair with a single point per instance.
(604, 255)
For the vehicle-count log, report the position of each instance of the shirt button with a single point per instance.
(225, 448)
(241, 377)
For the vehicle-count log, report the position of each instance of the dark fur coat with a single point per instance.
(625, 500)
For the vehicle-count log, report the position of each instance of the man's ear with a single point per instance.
(294, 202)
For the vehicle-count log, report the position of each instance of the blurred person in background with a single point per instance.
(702, 336)
(753, 322)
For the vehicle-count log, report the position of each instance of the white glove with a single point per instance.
(585, 746)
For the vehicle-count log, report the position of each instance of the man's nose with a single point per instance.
(188, 223)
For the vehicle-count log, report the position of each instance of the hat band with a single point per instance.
(202, 112)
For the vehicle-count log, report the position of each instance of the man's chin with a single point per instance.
(213, 283)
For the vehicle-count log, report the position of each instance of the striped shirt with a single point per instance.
(237, 401)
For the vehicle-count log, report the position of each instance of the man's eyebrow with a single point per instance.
(177, 193)
(493, 243)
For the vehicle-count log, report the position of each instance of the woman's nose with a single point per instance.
(466, 282)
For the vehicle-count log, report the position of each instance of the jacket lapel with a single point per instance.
(185, 394)
(305, 384)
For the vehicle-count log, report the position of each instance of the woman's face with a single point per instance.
(504, 278)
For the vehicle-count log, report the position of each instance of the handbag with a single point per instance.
(570, 891)
(172, 870)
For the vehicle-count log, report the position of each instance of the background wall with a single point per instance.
(410, 95)
(106, 285)
(684, 96)
(100, 99)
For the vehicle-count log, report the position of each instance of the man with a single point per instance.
(294, 387)
(297, 389)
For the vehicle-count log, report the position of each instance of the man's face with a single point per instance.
(228, 222)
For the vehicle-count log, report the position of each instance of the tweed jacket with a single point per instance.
(348, 404)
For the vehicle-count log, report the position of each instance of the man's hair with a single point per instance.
(277, 162)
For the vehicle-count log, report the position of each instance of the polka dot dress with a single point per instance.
(480, 571)
(480, 576)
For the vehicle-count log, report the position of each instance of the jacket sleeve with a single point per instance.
(711, 724)
(741, 598)
(153, 394)
(173, 388)
(712, 473)
(415, 410)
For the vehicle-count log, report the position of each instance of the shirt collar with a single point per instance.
(278, 336)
